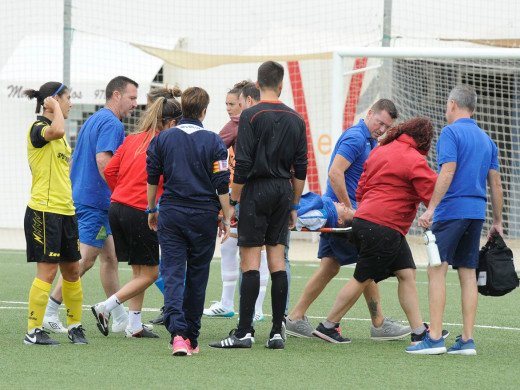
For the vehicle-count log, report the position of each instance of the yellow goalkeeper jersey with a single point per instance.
(49, 162)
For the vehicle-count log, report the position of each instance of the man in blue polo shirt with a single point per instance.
(98, 140)
(467, 158)
(346, 166)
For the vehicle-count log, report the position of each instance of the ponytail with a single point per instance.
(51, 88)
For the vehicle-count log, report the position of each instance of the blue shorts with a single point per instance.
(93, 225)
(337, 245)
(459, 241)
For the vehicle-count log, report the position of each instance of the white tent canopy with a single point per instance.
(94, 61)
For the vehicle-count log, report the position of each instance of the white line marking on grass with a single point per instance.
(153, 309)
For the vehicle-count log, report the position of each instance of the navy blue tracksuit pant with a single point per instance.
(187, 240)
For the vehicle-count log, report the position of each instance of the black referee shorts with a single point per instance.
(265, 206)
(51, 237)
(382, 251)
(135, 242)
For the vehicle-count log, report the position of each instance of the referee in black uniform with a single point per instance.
(271, 140)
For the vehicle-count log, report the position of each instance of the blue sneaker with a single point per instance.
(428, 347)
(463, 347)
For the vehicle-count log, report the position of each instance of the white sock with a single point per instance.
(120, 313)
(229, 270)
(111, 303)
(134, 320)
(52, 307)
(264, 279)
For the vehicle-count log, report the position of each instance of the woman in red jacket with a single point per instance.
(395, 179)
(134, 241)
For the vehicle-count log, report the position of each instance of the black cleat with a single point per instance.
(77, 335)
(159, 319)
(276, 342)
(233, 341)
(39, 337)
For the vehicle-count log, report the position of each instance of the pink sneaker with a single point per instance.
(180, 347)
(192, 351)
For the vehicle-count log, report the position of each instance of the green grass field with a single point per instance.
(116, 362)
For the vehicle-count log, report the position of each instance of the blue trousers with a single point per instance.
(187, 240)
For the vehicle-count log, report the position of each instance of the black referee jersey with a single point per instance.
(271, 139)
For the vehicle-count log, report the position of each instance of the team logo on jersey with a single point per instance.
(219, 166)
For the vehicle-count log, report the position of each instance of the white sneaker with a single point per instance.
(54, 324)
(217, 310)
(102, 317)
(148, 327)
(119, 327)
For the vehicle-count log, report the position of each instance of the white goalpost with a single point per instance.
(418, 80)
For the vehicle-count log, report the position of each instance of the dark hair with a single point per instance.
(270, 75)
(250, 89)
(118, 83)
(464, 96)
(237, 88)
(194, 101)
(167, 93)
(48, 89)
(420, 129)
(386, 105)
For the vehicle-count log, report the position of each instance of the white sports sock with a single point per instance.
(134, 320)
(119, 313)
(229, 270)
(264, 279)
(111, 303)
(52, 307)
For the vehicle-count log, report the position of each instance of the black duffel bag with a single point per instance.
(496, 275)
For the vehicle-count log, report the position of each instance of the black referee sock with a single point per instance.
(248, 293)
(278, 299)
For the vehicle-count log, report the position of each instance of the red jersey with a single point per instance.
(126, 173)
(395, 179)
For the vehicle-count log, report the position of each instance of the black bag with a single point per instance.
(496, 275)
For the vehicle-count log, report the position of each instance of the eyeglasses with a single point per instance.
(382, 124)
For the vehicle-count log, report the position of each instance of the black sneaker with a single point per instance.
(276, 342)
(159, 319)
(39, 337)
(77, 335)
(332, 335)
(417, 338)
(233, 341)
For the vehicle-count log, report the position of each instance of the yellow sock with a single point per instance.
(38, 297)
(73, 299)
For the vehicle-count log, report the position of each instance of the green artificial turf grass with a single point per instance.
(116, 362)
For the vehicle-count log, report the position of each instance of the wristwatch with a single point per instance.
(232, 202)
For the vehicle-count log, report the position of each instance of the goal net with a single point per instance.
(419, 85)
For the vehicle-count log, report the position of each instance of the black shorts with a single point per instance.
(135, 242)
(265, 207)
(51, 237)
(382, 251)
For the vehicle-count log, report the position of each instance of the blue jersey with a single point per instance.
(355, 144)
(102, 132)
(316, 212)
(475, 153)
(193, 162)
